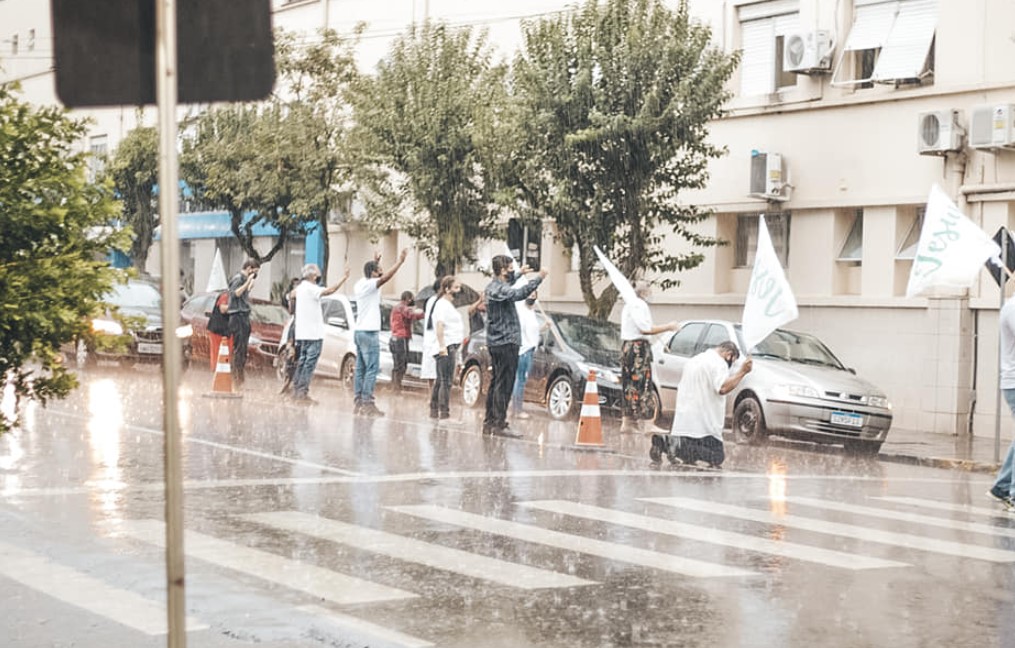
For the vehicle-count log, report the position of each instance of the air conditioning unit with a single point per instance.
(992, 127)
(938, 132)
(768, 176)
(808, 52)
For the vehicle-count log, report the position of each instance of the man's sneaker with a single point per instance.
(506, 432)
(369, 409)
(1002, 499)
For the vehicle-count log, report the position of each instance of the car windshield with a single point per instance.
(268, 314)
(597, 341)
(795, 347)
(135, 295)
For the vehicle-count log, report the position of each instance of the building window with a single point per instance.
(909, 245)
(31, 40)
(763, 28)
(747, 238)
(97, 147)
(852, 247)
(14, 45)
(891, 41)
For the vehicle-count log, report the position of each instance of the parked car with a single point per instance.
(129, 328)
(798, 389)
(267, 319)
(338, 353)
(570, 347)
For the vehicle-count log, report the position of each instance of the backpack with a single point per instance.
(218, 322)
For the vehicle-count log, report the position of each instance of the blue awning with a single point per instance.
(207, 225)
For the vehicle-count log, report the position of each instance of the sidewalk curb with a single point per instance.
(940, 462)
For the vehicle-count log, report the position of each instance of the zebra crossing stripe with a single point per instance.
(317, 581)
(955, 525)
(417, 551)
(365, 633)
(710, 535)
(569, 542)
(86, 592)
(836, 528)
(995, 511)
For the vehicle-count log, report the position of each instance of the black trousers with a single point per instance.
(239, 328)
(440, 395)
(505, 364)
(399, 348)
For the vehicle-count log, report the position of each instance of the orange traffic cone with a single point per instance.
(222, 382)
(590, 426)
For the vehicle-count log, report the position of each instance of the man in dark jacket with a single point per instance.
(239, 316)
(503, 337)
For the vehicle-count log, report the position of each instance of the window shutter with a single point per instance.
(757, 67)
(871, 26)
(905, 52)
(748, 13)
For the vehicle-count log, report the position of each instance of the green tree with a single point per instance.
(134, 169)
(281, 161)
(422, 122)
(55, 230)
(611, 110)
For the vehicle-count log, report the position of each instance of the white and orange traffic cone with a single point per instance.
(222, 382)
(590, 425)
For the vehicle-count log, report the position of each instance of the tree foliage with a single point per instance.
(422, 124)
(134, 170)
(54, 234)
(611, 108)
(279, 162)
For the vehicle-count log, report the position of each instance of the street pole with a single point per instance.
(997, 405)
(166, 93)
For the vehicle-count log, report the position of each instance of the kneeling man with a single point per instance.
(698, 421)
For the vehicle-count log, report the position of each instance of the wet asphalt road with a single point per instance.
(311, 527)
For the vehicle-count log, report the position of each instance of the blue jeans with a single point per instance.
(368, 364)
(1004, 484)
(521, 375)
(310, 351)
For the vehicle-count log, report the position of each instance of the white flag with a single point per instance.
(217, 278)
(624, 286)
(770, 302)
(952, 249)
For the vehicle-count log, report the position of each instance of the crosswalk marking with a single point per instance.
(375, 636)
(568, 542)
(317, 581)
(996, 511)
(412, 550)
(87, 592)
(715, 536)
(956, 525)
(836, 528)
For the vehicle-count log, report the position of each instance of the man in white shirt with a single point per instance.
(308, 324)
(1003, 489)
(636, 331)
(700, 415)
(368, 326)
(529, 325)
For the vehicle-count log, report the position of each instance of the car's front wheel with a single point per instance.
(749, 421)
(561, 403)
(472, 386)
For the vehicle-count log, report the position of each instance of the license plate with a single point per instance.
(845, 418)
(148, 347)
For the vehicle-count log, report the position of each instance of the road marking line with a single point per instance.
(379, 636)
(835, 528)
(569, 542)
(417, 551)
(87, 592)
(955, 525)
(997, 511)
(715, 536)
(223, 446)
(317, 581)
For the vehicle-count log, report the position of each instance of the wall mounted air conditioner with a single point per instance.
(939, 132)
(992, 127)
(808, 52)
(768, 179)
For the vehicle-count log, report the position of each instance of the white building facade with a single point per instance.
(845, 113)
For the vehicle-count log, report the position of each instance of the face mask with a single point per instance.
(729, 363)
(530, 301)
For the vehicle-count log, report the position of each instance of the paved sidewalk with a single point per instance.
(943, 450)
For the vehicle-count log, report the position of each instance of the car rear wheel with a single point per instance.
(749, 422)
(654, 407)
(561, 403)
(348, 371)
(862, 448)
(472, 386)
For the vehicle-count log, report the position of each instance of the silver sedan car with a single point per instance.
(798, 388)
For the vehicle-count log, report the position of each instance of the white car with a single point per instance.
(338, 353)
(798, 389)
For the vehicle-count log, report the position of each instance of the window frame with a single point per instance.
(746, 244)
(855, 231)
(871, 41)
(779, 18)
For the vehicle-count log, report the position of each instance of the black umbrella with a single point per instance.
(466, 297)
